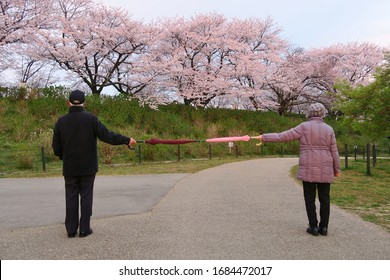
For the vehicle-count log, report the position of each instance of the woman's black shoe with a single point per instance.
(312, 231)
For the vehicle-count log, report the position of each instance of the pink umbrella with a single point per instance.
(228, 139)
(231, 139)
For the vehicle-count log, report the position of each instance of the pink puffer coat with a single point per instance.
(319, 159)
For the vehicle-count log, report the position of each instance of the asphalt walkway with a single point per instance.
(244, 210)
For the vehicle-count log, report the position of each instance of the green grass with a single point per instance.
(368, 196)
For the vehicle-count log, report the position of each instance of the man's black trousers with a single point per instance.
(75, 187)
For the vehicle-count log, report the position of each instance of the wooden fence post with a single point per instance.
(43, 158)
(139, 153)
(368, 160)
(346, 156)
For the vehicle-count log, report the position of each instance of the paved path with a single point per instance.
(243, 210)
(41, 201)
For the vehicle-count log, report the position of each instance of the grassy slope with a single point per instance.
(27, 125)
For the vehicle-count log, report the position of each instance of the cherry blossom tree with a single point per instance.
(353, 63)
(286, 82)
(29, 69)
(21, 18)
(209, 56)
(259, 47)
(136, 74)
(91, 41)
(191, 57)
(307, 76)
(206, 60)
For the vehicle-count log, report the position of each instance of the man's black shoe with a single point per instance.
(323, 231)
(71, 235)
(85, 234)
(312, 231)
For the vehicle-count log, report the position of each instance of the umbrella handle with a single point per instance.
(258, 138)
(132, 147)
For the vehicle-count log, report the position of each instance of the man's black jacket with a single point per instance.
(75, 141)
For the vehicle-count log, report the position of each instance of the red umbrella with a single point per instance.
(155, 141)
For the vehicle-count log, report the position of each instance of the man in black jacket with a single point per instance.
(75, 143)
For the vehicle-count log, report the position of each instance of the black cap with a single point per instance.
(77, 97)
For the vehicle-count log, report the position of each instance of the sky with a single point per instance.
(304, 23)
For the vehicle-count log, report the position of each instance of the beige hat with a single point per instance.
(317, 110)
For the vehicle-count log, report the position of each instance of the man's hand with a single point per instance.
(132, 142)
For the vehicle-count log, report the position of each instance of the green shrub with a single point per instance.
(25, 163)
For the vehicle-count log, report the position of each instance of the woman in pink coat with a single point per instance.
(318, 163)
